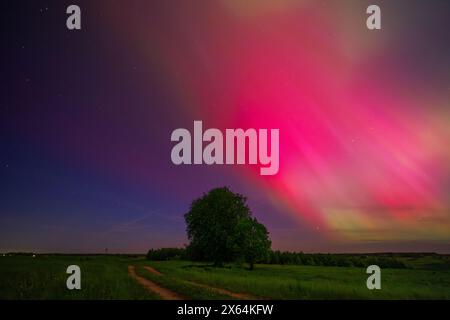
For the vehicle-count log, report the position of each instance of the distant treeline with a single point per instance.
(383, 260)
(335, 260)
(168, 254)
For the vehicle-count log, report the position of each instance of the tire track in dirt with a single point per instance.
(242, 296)
(164, 293)
(236, 295)
(153, 270)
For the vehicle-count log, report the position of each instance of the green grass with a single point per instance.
(106, 277)
(429, 262)
(314, 282)
(25, 277)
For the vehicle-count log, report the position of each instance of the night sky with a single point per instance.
(86, 118)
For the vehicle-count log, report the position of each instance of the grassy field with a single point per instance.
(44, 277)
(106, 277)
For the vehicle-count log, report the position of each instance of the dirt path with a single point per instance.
(242, 296)
(226, 292)
(164, 293)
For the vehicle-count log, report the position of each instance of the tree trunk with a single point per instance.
(252, 265)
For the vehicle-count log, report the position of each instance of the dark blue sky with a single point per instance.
(86, 118)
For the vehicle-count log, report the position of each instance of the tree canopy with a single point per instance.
(221, 229)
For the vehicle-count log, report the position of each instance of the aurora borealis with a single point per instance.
(364, 120)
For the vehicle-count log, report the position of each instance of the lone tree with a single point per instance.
(221, 229)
